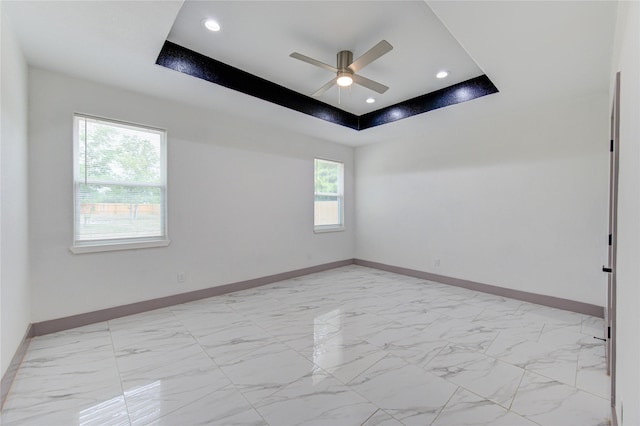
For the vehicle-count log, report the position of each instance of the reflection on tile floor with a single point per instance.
(350, 346)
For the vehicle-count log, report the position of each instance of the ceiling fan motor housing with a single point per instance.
(345, 58)
(345, 75)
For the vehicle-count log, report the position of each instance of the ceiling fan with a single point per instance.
(346, 68)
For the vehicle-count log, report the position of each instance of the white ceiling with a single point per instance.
(533, 51)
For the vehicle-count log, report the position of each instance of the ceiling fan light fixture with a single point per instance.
(344, 79)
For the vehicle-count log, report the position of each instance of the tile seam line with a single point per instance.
(205, 354)
(449, 400)
(115, 361)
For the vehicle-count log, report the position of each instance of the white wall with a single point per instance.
(15, 298)
(240, 201)
(627, 61)
(516, 199)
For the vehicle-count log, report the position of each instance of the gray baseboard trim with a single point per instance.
(10, 375)
(66, 323)
(540, 299)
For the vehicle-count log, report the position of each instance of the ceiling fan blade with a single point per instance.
(370, 55)
(324, 88)
(369, 84)
(312, 61)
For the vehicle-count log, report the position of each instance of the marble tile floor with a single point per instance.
(349, 346)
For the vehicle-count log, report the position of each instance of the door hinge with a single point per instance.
(608, 332)
(610, 239)
(611, 146)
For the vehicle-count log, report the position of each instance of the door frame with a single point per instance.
(610, 311)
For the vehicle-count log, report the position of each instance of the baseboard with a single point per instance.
(60, 324)
(10, 375)
(540, 299)
(66, 323)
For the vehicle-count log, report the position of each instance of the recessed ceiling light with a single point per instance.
(211, 25)
(442, 74)
(370, 100)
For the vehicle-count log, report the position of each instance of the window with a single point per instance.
(120, 191)
(329, 195)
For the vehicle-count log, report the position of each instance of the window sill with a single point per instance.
(100, 247)
(325, 229)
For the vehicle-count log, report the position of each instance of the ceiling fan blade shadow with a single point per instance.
(369, 84)
(324, 88)
(371, 55)
(312, 61)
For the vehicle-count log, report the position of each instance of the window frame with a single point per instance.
(318, 229)
(126, 243)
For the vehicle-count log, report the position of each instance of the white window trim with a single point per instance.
(94, 246)
(322, 229)
(100, 246)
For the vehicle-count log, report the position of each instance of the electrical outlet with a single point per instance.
(436, 262)
(182, 277)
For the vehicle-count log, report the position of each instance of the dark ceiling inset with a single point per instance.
(187, 61)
